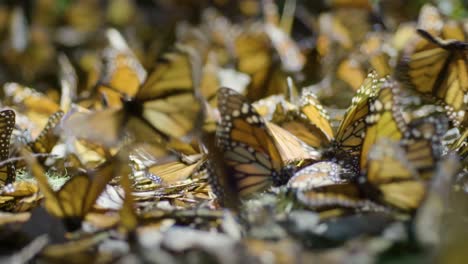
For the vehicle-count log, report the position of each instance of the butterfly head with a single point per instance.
(72, 223)
(131, 106)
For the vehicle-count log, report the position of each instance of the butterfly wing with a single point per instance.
(71, 197)
(454, 87)
(168, 100)
(289, 146)
(384, 119)
(435, 62)
(100, 177)
(423, 139)
(7, 123)
(172, 172)
(52, 202)
(122, 74)
(401, 169)
(47, 138)
(104, 126)
(394, 176)
(351, 131)
(249, 152)
(309, 121)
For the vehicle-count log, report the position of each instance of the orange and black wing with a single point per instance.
(435, 63)
(400, 169)
(351, 132)
(308, 121)
(48, 136)
(251, 159)
(7, 123)
(385, 119)
(168, 101)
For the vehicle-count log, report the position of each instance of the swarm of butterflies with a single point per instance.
(280, 134)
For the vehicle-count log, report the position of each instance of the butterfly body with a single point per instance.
(132, 107)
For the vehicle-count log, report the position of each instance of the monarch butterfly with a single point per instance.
(325, 185)
(47, 139)
(77, 196)
(7, 123)
(392, 170)
(372, 115)
(253, 51)
(400, 169)
(29, 100)
(244, 158)
(122, 73)
(435, 66)
(350, 133)
(165, 107)
(385, 119)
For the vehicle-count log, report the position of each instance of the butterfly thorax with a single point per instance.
(132, 107)
(72, 223)
(282, 177)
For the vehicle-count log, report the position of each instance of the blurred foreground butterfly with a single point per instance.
(165, 105)
(7, 123)
(77, 196)
(400, 169)
(438, 66)
(393, 170)
(245, 158)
